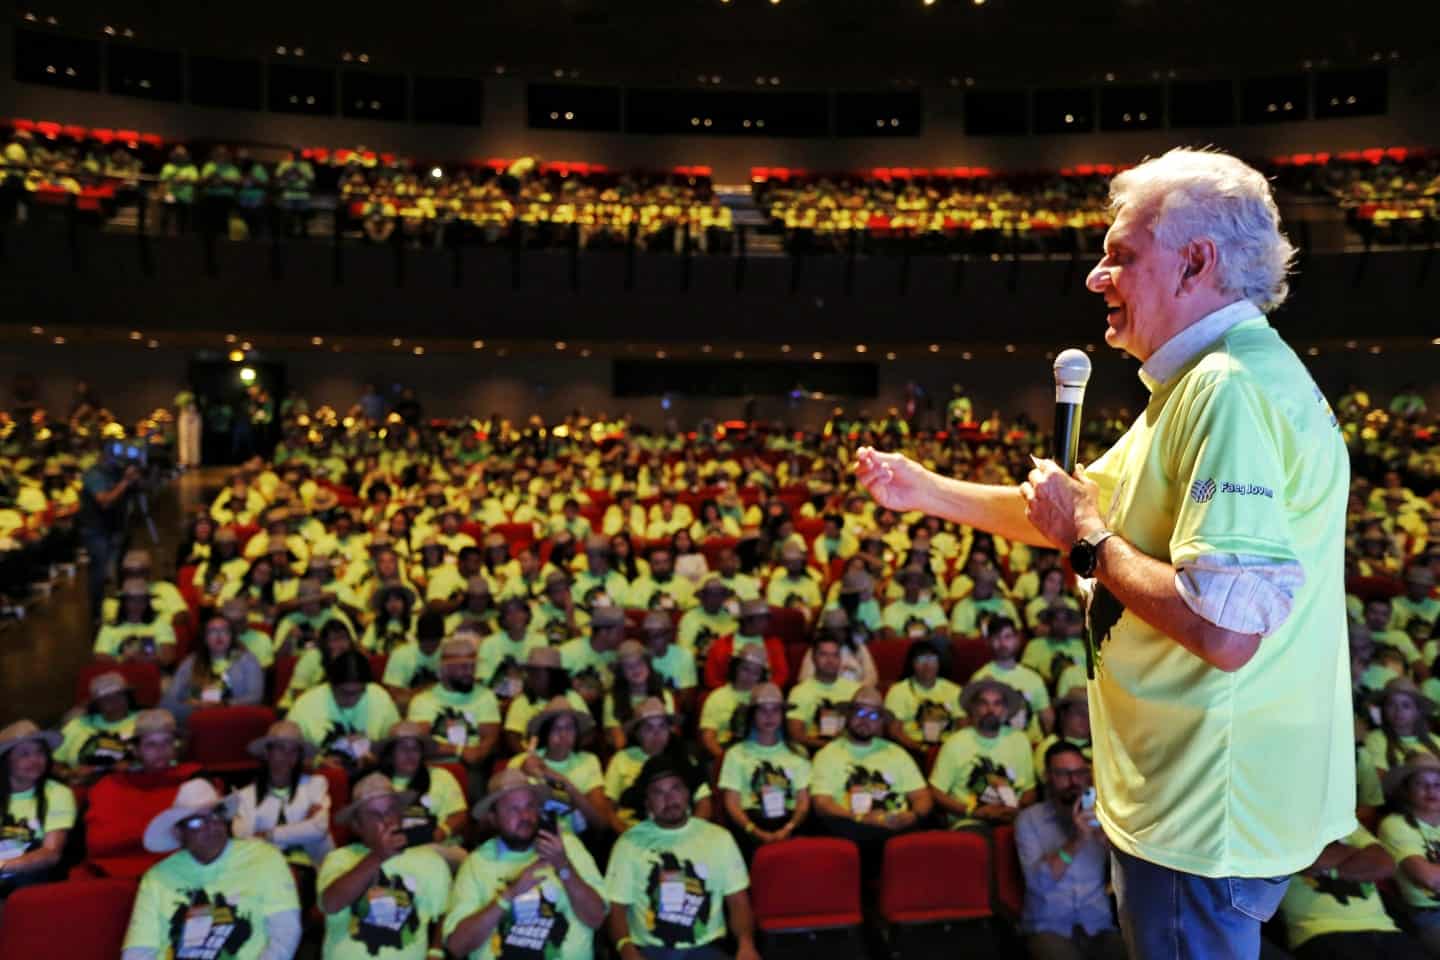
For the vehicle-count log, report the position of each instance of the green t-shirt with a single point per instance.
(186, 909)
(410, 667)
(1045, 654)
(926, 715)
(609, 717)
(260, 645)
(915, 621)
(554, 623)
(349, 732)
(699, 629)
(673, 883)
(878, 775)
(982, 770)
(21, 830)
(1314, 906)
(821, 706)
(611, 590)
(302, 631)
(444, 798)
(589, 669)
(581, 768)
(622, 772)
(455, 718)
(768, 779)
(521, 709)
(970, 615)
(123, 640)
(1237, 453)
(722, 712)
(89, 741)
(788, 591)
(498, 664)
(1405, 840)
(391, 919)
(646, 593)
(677, 667)
(541, 923)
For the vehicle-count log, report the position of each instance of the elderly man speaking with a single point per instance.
(1213, 531)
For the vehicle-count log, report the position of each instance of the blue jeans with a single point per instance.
(1169, 915)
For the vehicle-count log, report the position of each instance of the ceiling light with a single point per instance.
(979, 3)
(784, 348)
(659, 354)
(889, 356)
(436, 172)
(1375, 349)
(346, 56)
(136, 335)
(281, 51)
(1009, 348)
(247, 374)
(560, 344)
(739, 354)
(559, 74)
(419, 351)
(396, 342)
(129, 33)
(59, 341)
(706, 348)
(967, 355)
(247, 345)
(231, 338)
(316, 341)
(109, 31)
(817, 355)
(1313, 351)
(153, 344)
(927, 3)
(299, 51)
(934, 348)
(364, 58)
(585, 352)
(1351, 344)
(861, 348)
(1109, 78)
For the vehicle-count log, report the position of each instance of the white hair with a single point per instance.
(1206, 193)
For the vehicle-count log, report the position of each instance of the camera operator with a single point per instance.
(104, 502)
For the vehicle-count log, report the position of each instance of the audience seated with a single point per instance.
(37, 811)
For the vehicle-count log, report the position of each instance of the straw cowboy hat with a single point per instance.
(508, 780)
(376, 786)
(559, 706)
(1014, 702)
(24, 731)
(281, 731)
(1417, 762)
(195, 798)
(651, 709)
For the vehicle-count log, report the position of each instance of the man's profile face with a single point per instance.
(1138, 279)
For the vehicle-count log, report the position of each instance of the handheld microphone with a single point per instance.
(1072, 372)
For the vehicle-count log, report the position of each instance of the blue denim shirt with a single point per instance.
(1077, 897)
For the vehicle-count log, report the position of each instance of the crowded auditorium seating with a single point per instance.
(766, 514)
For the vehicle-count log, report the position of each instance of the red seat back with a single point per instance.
(787, 624)
(144, 679)
(889, 657)
(92, 914)
(967, 656)
(806, 883)
(219, 736)
(284, 669)
(908, 891)
(1374, 588)
(1009, 880)
(457, 770)
(339, 787)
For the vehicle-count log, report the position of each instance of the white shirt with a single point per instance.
(1237, 592)
(301, 828)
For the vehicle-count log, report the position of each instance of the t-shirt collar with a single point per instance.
(1180, 349)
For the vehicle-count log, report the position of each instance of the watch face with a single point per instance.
(1082, 559)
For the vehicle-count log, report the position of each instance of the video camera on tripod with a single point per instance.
(136, 454)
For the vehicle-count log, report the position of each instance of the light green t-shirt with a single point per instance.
(1314, 906)
(926, 715)
(392, 919)
(645, 593)
(611, 590)
(455, 718)
(1238, 453)
(878, 775)
(89, 741)
(1404, 841)
(610, 719)
(521, 709)
(970, 615)
(410, 667)
(20, 828)
(821, 706)
(673, 883)
(768, 779)
(980, 770)
(444, 798)
(589, 669)
(699, 629)
(581, 768)
(722, 712)
(541, 923)
(498, 664)
(188, 909)
(351, 731)
(1045, 654)
(915, 621)
(123, 640)
(788, 591)
(677, 667)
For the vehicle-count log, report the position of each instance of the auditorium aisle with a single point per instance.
(42, 655)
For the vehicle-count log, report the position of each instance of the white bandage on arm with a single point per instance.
(139, 953)
(1239, 592)
(282, 931)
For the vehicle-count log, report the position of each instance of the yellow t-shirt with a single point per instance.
(1250, 773)
(1314, 906)
(1405, 840)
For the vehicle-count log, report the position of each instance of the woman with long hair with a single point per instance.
(764, 779)
(923, 705)
(1410, 834)
(649, 732)
(437, 814)
(138, 632)
(287, 804)
(220, 673)
(544, 679)
(95, 741)
(37, 811)
(394, 621)
(1405, 716)
(257, 588)
(624, 559)
(577, 787)
(636, 681)
(197, 542)
(221, 565)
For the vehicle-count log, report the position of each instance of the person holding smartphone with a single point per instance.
(1065, 857)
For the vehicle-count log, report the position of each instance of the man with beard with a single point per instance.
(985, 773)
(382, 899)
(1065, 857)
(463, 717)
(673, 877)
(527, 892)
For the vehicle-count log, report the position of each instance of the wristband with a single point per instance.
(503, 902)
(623, 943)
(750, 827)
(1065, 858)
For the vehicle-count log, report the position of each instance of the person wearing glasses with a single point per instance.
(864, 787)
(213, 896)
(1066, 858)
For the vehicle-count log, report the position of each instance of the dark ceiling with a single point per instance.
(806, 43)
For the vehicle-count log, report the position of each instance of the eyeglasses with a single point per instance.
(201, 819)
(868, 713)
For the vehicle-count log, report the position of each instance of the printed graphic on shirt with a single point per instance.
(661, 600)
(385, 916)
(345, 742)
(933, 720)
(390, 636)
(454, 726)
(678, 899)
(103, 749)
(138, 643)
(202, 928)
(596, 597)
(991, 782)
(18, 836)
(1340, 890)
(418, 823)
(1432, 851)
(915, 627)
(534, 927)
(1105, 611)
(875, 784)
(507, 681)
(772, 789)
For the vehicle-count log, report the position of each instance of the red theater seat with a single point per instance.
(219, 736)
(809, 883)
(908, 891)
(79, 919)
(1009, 879)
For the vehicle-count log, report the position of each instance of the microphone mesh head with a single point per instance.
(1072, 369)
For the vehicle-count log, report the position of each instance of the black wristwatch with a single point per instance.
(1085, 554)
